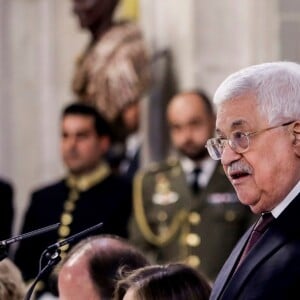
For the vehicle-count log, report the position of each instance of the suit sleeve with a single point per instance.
(28, 252)
(7, 211)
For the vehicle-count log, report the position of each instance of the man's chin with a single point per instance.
(75, 169)
(249, 200)
(195, 156)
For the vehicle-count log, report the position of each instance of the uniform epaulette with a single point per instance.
(162, 166)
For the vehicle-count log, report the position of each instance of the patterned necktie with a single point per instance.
(258, 230)
(195, 185)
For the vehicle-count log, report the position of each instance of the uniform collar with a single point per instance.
(85, 182)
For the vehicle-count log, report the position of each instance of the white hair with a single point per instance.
(275, 85)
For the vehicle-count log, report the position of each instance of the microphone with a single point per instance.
(73, 237)
(24, 236)
(29, 234)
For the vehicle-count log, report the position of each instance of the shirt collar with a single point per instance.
(133, 142)
(286, 201)
(207, 166)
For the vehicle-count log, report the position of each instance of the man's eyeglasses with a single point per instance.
(238, 142)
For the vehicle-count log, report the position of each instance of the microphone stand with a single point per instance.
(52, 253)
(53, 260)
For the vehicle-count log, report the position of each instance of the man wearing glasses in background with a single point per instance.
(258, 143)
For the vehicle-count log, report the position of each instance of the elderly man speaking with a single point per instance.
(258, 143)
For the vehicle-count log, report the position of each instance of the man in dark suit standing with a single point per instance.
(185, 208)
(88, 195)
(6, 209)
(258, 143)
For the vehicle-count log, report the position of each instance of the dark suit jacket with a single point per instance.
(271, 269)
(109, 201)
(6, 209)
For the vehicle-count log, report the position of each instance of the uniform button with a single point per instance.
(65, 248)
(73, 196)
(69, 206)
(193, 240)
(63, 231)
(193, 261)
(230, 215)
(63, 255)
(162, 216)
(194, 218)
(66, 219)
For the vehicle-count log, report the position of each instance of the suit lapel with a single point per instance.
(227, 269)
(268, 243)
(275, 237)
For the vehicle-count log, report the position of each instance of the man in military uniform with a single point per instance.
(89, 194)
(185, 208)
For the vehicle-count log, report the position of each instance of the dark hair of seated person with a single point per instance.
(175, 281)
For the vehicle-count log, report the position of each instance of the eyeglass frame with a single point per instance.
(212, 142)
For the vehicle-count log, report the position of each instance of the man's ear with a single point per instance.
(296, 137)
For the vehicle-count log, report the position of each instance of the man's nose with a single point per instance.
(186, 133)
(229, 155)
(71, 142)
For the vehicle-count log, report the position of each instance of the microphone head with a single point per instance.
(74, 237)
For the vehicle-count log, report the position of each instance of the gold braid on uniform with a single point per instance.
(77, 185)
(141, 219)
